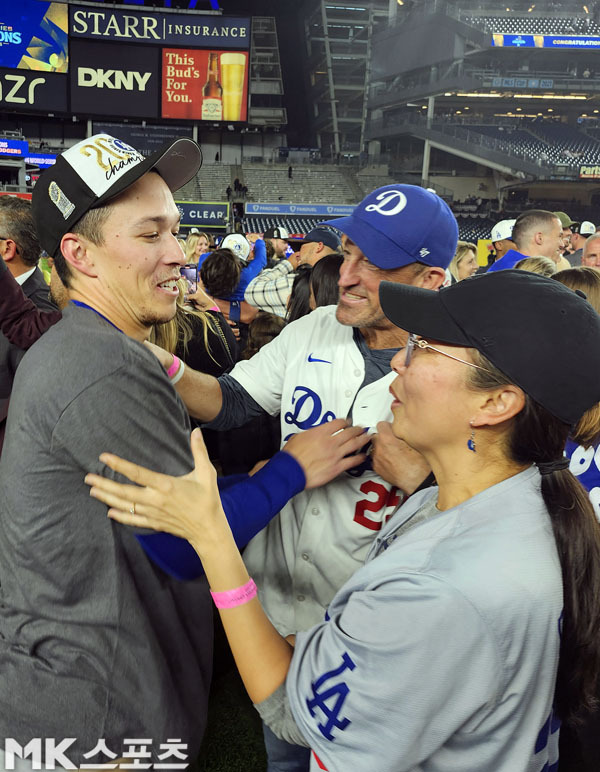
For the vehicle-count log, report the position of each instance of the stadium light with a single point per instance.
(546, 96)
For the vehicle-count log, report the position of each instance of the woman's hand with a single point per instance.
(187, 506)
(327, 450)
(201, 299)
(396, 462)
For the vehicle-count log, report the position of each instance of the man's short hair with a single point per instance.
(591, 239)
(528, 222)
(91, 228)
(17, 224)
(220, 273)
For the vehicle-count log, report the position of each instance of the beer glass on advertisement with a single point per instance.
(232, 81)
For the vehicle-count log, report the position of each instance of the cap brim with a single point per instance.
(373, 244)
(177, 163)
(421, 312)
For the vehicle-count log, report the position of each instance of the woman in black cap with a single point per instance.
(473, 629)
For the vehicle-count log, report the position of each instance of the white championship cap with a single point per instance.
(585, 228)
(502, 230)
(238, 244)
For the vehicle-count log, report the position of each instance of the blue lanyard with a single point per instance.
(85, 305)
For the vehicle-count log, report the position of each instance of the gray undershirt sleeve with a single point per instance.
(238, 406)
(276, 713)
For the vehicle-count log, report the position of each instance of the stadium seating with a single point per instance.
(213, 180)
(568, 144)
(548, 143)
(369, 182)
(309, 184)
(470, 229)
(292, 224)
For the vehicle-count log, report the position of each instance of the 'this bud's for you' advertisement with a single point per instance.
(204, 85)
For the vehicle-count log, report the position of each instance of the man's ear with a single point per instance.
(76, 252)
(499, 405)
(431, 278)
(11, 250)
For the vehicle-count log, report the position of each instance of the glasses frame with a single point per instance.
(415, 341)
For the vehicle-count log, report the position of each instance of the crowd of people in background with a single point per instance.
(265, 341)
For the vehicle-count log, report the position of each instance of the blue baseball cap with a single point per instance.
(401, 224)
(324, 235)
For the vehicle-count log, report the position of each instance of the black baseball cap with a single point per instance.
(97, 169)
(542, 335)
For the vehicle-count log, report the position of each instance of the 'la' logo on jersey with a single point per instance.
(329, 700)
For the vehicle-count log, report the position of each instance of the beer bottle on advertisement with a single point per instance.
(212, 93)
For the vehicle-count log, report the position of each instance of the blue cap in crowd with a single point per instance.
(325, 236)
(401, 224)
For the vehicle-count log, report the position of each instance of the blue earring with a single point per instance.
(471, 441)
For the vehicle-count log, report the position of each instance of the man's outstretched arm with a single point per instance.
(201, 393)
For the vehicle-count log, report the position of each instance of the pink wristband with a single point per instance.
(237, 597)
(174, 366)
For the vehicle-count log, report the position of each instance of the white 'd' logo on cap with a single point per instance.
(387, 197)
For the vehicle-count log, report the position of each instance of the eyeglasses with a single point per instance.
(413, 341)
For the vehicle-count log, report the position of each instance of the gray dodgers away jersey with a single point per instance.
(441, 652)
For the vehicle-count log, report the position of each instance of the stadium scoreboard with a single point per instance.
(129, 63)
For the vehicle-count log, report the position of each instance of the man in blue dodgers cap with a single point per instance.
(97, 644)
(333, 363)
(271, 289)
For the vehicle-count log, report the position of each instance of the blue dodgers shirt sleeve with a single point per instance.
(251, 270)
(249, 504)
